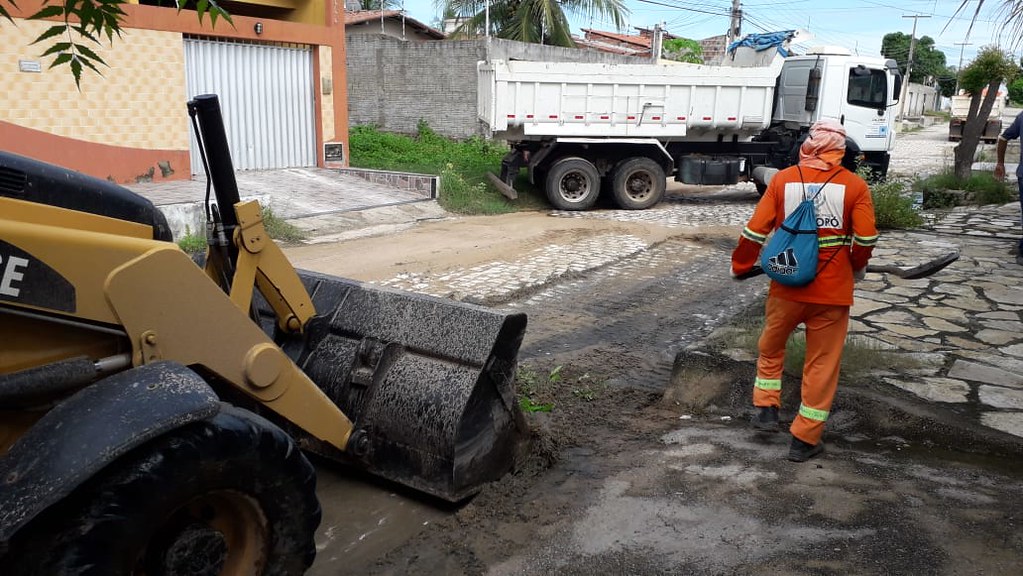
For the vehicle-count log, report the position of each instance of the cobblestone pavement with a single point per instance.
(961, 328)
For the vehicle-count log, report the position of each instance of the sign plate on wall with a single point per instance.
(333, 152)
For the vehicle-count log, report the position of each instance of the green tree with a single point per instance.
(534, 21)
(1016, 91)
(928, 62)
(81, 24)
(981, 79)
(380, 4)
(682, 50)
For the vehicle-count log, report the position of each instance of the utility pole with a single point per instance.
(655, 43)
(959, 70)
(735, 25)
(909, 64)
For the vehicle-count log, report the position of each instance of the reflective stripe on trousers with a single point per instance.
(826, 327)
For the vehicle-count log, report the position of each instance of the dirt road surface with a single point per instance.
(621, 478)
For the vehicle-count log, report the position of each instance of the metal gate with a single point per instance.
(266, 94)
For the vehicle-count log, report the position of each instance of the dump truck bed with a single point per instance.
(522, 100)
(961, 110)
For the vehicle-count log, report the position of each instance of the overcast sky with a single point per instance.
(857, 25)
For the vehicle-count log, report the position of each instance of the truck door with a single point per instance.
(866, 113)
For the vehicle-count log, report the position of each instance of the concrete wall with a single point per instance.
(393, 84)
(920, 98)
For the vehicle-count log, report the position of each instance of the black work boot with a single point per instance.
(800, 451)
(766, 419)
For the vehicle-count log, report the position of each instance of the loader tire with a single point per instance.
(228, 496)
(637, 183)
(573, 184)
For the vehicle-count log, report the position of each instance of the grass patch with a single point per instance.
(461, 164)
(537, 391)
(893, 206)
(941, 114)
(944, 190)
(860, 357)
(192, 243)
(280, 229)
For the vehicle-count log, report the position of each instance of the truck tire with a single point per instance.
(637, 183)
(231, 496)
(573, 184)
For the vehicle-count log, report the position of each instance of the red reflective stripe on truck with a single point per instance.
(657, 117)
(706, 117)
(553, 116)
(682, 118)
(529, 115)
(578, 117)
(731, 118)
(511, 116)
(605, 117)
(630, 118)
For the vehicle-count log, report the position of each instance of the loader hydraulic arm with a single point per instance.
(261, 264)
(251, 259)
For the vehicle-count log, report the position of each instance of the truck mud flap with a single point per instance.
(427, 382)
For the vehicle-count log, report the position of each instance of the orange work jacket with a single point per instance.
(846, 232)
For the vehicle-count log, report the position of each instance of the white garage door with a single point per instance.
(266, 96)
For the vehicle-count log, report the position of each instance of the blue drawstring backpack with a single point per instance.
(790, 256)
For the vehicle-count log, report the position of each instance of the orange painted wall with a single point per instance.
(117, 163)
(124, 123)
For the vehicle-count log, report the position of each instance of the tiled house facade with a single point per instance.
(131, 123)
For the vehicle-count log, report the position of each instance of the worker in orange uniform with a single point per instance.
(846, 235)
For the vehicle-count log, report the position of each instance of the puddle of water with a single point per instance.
(363, 521)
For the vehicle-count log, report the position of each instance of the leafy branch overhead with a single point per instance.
(80, 24)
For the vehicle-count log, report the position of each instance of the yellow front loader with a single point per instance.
(154, 411)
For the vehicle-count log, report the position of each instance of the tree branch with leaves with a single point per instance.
(81, 24)
(981, 79)
(533, 21)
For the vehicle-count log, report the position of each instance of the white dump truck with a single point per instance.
(961, 110)
(580, 128)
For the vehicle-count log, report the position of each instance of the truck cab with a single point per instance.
(860, 92)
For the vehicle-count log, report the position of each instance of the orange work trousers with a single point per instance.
(826, 327)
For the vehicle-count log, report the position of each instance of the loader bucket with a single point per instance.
(428, 383)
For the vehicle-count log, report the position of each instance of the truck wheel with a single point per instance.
(573, 184)
(228, 496)
(638, 183)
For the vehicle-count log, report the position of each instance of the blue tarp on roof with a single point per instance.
(761, 42)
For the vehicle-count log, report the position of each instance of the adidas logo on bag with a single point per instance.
(796, 234)
(784, 263)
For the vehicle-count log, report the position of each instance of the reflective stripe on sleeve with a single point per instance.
(813, 413)
(767, 384)
(753, 236)
(865, 240)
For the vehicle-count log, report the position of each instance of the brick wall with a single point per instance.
(393, 84)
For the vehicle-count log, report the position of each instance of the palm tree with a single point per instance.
(534, 21)
(1012, 10)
